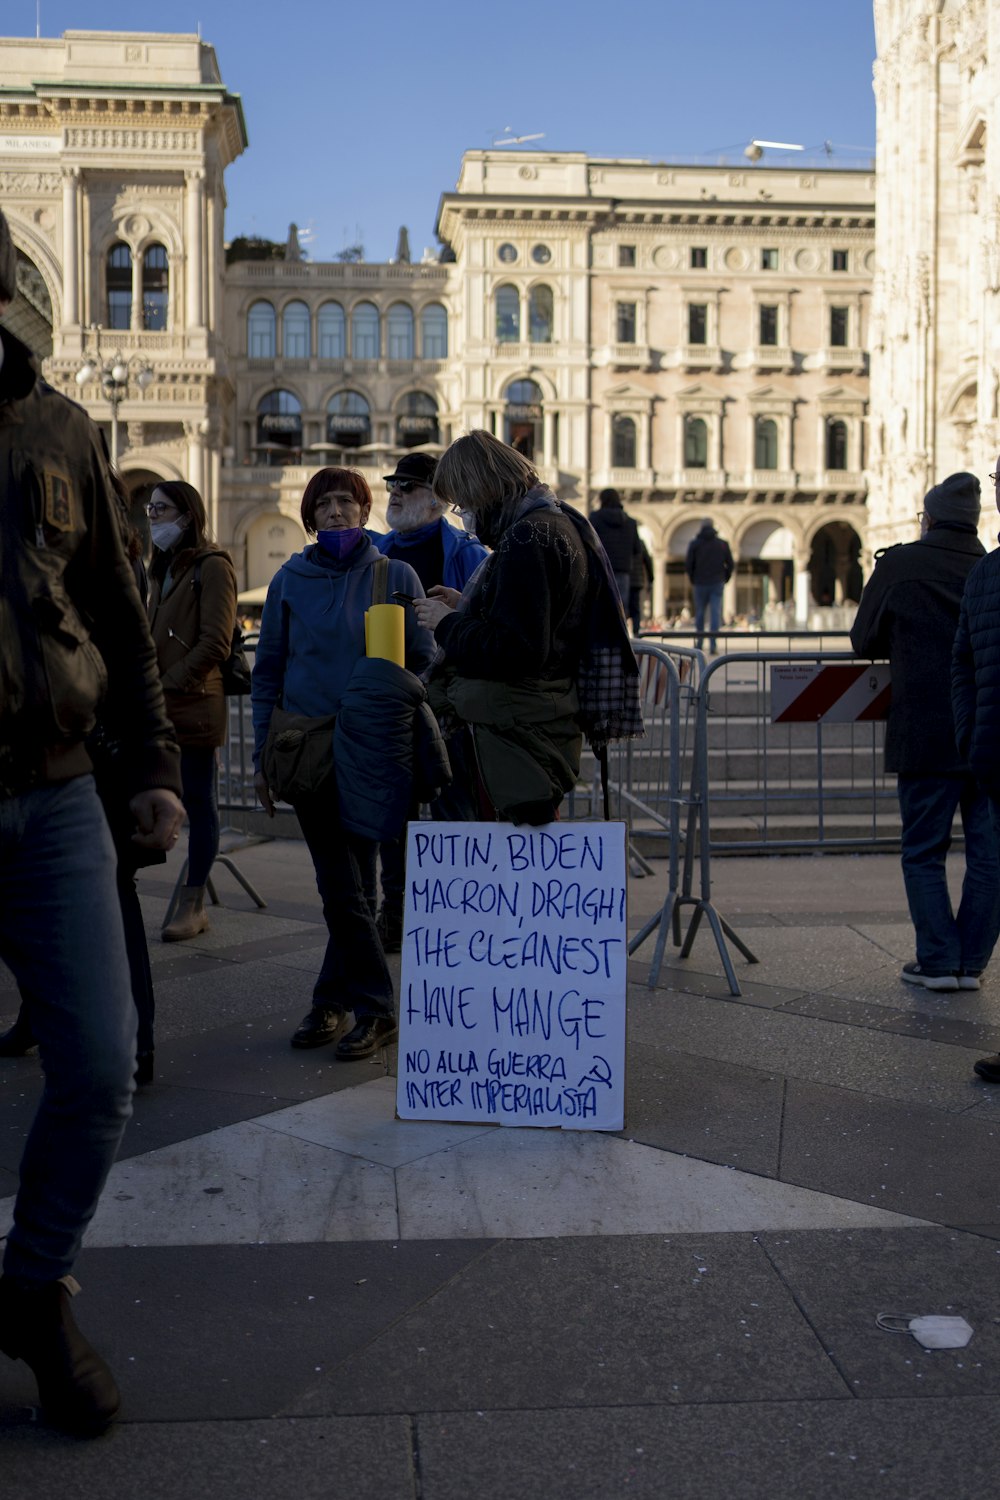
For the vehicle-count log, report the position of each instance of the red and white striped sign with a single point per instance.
(839, 693)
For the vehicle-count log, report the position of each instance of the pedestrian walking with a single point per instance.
(709, 565)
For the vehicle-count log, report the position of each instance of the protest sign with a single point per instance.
(512, 1000)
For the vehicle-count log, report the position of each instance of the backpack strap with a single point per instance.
(380, 583)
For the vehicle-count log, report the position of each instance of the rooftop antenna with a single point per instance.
(756, 148)
(38, 20)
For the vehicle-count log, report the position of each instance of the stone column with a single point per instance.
(135, 321)
(659, 582)
(194, 269)
(71, 240)
(548, 457)
(803, 594)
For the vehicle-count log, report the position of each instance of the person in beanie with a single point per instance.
(909, 612)
(975, 686)
(709, 565)
(73, 636)
(444, 558)
(620, 539)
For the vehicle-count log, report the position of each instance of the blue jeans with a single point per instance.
(707, 596)
(61, 935)
(947, 942)
(198, 796)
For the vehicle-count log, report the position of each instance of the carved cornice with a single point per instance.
(30, 184)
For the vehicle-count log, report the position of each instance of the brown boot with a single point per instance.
(75, 1387)
(189, 918)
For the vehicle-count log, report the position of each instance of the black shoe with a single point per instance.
(143, 1069)
(370, 1033)
(19, 1040)
(76, 1389)
(321, 1026)
(988, 1068)
(390, 929)
(914, 974)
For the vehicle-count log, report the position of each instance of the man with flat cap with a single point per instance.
(909, 612)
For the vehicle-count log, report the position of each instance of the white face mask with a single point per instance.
(166, 534)
(469, 522)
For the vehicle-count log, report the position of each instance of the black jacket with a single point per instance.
(909, 613)
(976, 671)
(619, 536)
(73, 632)
(709, 559)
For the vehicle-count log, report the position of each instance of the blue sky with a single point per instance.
(358, 115)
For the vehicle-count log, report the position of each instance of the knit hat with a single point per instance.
(954, 499)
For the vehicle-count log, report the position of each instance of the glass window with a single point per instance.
(155, 287)
(399, 331)
(331, 331)
(623, 445)
(541, 254)
(508, 307)
(540, 315)
(523, 417)
(769, 260)
(260, 331)
(838, 327)
(699, 257)
(365, 331)
(119, 286)
(417, 421)
(279, 426)
(838, 260)
(836, 443)
(695, 443)
(434, 332)
(348, 420)
(624, 322)
(765, 443)
(507, 253)
(697, 323)
(769, 325)
(295, 331)
(626, 255)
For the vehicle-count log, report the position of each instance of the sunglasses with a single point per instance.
(403, 486)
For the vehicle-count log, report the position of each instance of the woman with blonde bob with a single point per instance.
(517, 646)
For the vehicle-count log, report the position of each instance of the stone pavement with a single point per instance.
(303, 1296)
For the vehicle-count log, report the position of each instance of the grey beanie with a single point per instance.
(954, 499)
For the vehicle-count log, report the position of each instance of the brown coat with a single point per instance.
(193, 633)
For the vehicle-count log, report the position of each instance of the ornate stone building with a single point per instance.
(935, 336)
(694, 336)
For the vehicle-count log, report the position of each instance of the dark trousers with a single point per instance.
(456, 804)
(198, 796)
(353, 975)
(948, 941)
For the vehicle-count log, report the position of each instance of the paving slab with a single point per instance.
(929, 1271)
(267, 1460)
(912, 1159)
(591, 1323)
(796, 1450)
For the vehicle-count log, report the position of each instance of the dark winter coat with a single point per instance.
(192, 627)
(909, 613)
(619, 537)
(709, 559)
(975, 677)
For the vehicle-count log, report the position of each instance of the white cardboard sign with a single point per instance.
(512, 999)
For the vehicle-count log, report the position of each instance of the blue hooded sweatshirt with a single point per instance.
(313, 631)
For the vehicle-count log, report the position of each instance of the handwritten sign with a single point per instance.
(512, 1001)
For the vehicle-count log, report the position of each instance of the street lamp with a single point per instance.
(115, 376)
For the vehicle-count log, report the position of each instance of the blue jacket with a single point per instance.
(975, 671)
(312, 632)
(462, 555)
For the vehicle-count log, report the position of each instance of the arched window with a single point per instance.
(765, 443)
(540, 315)
(508, 307)
(348, 420)
(260, 331)
(331, 331)
(417, 421)
(119, 286)
(399, 331)
(434, 332)
(279, 426)
(622, 442)
(365, 331)
(695, 443)
(155, 287)
(523, 417)
(295, 331)
(836, 443)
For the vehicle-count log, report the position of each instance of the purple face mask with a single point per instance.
(339, 543)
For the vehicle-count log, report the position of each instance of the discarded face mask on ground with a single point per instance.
(932, 1330)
